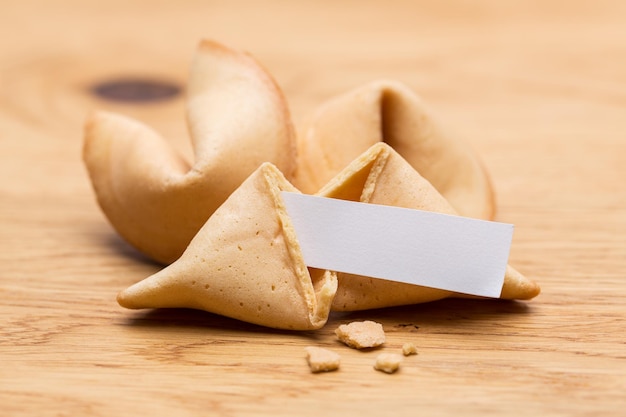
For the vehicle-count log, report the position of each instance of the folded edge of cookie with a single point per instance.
(157, 201)
(381, 176)
(388, 111)
(244, 263)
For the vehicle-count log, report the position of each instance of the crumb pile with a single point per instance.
(358, 335)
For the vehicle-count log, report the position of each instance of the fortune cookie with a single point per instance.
(389, 112)
(244, 263)
(156, 200)
(382, 176)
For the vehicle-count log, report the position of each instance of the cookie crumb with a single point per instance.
(361, 334)
(409, 349)
(322, 360)
(388, 362)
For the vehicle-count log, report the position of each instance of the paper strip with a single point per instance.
(412, 246)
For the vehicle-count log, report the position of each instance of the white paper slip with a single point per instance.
(417, 247)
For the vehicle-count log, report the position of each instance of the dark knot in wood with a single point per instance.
(136, 90)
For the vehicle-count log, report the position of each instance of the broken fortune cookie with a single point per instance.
(156, 200)
(381, 176)
(244, 263)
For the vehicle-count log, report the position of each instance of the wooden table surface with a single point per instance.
(538, 88)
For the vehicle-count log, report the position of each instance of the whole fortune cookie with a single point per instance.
(156, 200)
(390, 112)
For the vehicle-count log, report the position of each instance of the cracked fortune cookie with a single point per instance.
(381, 176)
(156, 200)
(244, 263)
(388, 111)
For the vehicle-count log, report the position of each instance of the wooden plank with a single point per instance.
(539, 91)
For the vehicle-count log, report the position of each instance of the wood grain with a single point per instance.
(538, 88)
